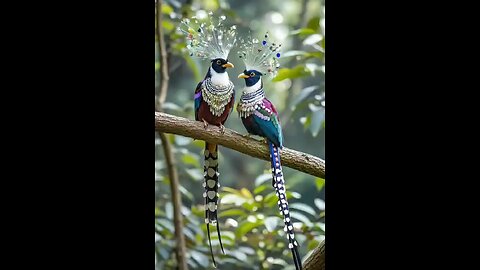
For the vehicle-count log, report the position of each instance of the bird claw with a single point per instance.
(246, 135)
(222, 128)
(205, 124)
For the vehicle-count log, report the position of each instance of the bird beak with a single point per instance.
(228, 65)
(243, 76)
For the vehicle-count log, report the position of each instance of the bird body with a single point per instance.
(260, 117)
(214, 99)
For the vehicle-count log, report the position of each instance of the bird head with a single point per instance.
(251, 77)
(220, 65)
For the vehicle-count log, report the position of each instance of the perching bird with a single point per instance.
(260, 117)
(214, 99)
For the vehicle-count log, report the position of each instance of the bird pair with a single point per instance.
(214, 101)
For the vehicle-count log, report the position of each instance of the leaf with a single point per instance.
(304, 93)
(200, 258)
(312, 39)
(168, 25)
(317, 118)
(303, 207)
(287, 73)
(238, 255)
(259, 189)
(319, 182)
(303, 32)
(232, 190)
(231, 212)
(312, 244)
(271, 223)
(233, 199)
(169, 210)
(301, 217)
(185, 192)
(194, 173)
(314, 23)
(171, 106)
(191, 159)
(262, 179)
(246, 227)
(319, 203)
(166, 9)
(245, 192)
(193, 66)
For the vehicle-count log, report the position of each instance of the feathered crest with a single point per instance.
(208, 38)
(261, 56)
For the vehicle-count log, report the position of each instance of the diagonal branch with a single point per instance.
(290, 158)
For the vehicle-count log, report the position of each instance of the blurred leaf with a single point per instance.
(157, 68)
(247, 250)
(245, 192)
(200, 258)
(312, 39)
(287, 73)
(169, 210)
(238, 255)
(246, 227)
(191, 159)
(314, 23)
(319, 203)
(301, 217)
(171, 106)
(259, 189)
(270, 199)
(193, 66)
(233, 198)
(168, 25)
(303, 207)
(319, 182)
(317, 118)
(195, 174)
(303, 32)
(304, 93)
(271, 223)
(262, 179)
(312, 244)
(231, 213)
(166, 9)
(185, 192)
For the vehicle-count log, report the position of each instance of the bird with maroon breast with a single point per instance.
(214, 97)
(260, 117)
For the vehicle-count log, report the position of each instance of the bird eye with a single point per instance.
(252, 74)
(219, 62)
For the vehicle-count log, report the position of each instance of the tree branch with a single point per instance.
(181, 250)
(316, 260)
(194, 129)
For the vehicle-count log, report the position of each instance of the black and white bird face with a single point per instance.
(220, 65)
(251, 77)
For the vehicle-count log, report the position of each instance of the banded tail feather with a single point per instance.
(279, 185)
(211, 186)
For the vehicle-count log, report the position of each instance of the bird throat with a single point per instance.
(217, 96)
(250, 101)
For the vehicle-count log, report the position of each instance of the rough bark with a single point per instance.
(316, 261)
(290, 158)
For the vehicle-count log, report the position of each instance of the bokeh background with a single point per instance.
(252, 228)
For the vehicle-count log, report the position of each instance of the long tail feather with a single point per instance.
(279, 185)
(211, 191)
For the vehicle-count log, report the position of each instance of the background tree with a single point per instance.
(251, 227)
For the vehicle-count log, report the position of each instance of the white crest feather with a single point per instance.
(261, 56)
(207, 38)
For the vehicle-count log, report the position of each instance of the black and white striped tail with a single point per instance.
(211, 192)
(279, 185)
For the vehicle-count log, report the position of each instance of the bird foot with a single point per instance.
(205, 124)
(222, 128)
(248, 135)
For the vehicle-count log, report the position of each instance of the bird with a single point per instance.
(214, 99)
(260, 117)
